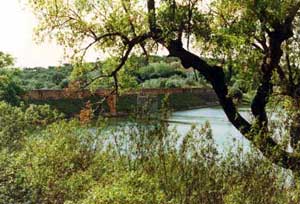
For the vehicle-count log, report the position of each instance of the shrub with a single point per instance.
(174, 81)
(158, 70)
(17, 122)
(154, 83)
(132, 187)
(10, 90)
(13, 126)
(61, 163)
(138, 162)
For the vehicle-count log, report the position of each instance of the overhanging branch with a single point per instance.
(131, 44)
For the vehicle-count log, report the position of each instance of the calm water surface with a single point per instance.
(223, 131)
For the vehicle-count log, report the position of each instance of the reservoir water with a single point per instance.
(224, 133)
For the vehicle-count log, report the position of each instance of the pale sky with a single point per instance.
(16, 37)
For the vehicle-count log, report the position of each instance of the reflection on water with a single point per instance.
(223, 131)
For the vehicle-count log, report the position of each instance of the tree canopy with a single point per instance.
(257, 40)
(6, 60)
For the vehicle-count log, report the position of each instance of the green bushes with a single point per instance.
(10, 89)
(45, 78)
(6, 60)
(132, 187)
(17, 122)
(64, 164)
(138, 162)
(158, 70)
(166, 75)
(60, 163)
(13, 126)
(174, 81)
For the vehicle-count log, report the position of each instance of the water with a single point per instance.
(224, 133)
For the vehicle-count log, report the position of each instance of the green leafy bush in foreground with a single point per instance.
(16, 123)
(144, 163)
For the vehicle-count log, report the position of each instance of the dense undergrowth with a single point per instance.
(46, 159)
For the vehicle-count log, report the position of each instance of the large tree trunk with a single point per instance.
(295, 132)
(256, 131)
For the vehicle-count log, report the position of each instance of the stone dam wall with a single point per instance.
(71, 102)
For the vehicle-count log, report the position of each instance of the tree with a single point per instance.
(258, 39)
(6, 60)
(10, 89)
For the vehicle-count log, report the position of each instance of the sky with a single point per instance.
(16, 37)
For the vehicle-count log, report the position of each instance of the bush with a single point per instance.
(10, 90)
(158, 70)
(13, 126)
(136, 163)
(174, 81)
(45, 78)
(154, 83)
(61, 163)
(17, 122)
(131, 187)
(13, 187)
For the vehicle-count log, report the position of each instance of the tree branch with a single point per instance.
(131, 44)
(151, 15)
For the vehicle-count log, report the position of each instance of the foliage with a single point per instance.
(236, 40)
(60, 163)
(134, 74)
(6, 60)
(235, 93)
(17, 122)
(158, 70)
(172, 82)
(13, 126)
(45, 78)
(132, 187)
(136, 163)
(10, 88)
(253, 41)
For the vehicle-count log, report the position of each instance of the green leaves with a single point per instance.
(146, 162)
(77, 24)
(6, 60)
(10, 88)
(17, 122)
